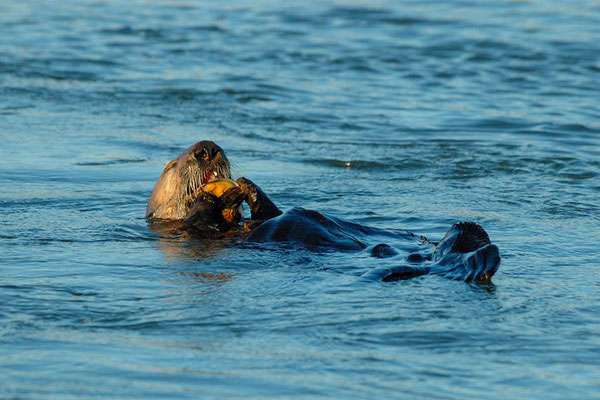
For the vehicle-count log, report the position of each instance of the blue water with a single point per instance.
(400, 115)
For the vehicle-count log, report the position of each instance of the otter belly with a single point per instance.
(307, 227)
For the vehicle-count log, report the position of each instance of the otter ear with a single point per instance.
(169, 165)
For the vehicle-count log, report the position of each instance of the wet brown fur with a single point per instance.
(179, 184)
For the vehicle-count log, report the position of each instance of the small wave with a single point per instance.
(568, 128)
(359, 64)
(65, 75)
(571, 209)
(379, 16)
(501, 124)
(127, 30)
(112, 162)
(257, 136)
(208, 28)
(75, 61)
(14, 109)
(354, 164)
(132, 232)
(245, 96)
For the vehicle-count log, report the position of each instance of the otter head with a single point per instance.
(180, 182)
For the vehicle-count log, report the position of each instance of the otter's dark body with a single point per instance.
(465, 253)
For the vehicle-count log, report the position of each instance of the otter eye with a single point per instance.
(202, 154)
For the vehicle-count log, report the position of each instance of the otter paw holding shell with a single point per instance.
(217, 206)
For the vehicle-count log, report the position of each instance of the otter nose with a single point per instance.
(207, 150)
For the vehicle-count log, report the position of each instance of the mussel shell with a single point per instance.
(219, 186)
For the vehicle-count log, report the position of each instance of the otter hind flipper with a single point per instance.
(470, 238)
(466, 254)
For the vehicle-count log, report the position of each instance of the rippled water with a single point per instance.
(403, 116)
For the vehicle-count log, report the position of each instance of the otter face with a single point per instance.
(180, 182)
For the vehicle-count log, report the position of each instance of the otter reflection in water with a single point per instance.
(196, 187)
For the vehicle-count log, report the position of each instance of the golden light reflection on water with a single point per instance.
(176, 240)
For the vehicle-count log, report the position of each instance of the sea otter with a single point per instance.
(197, 187)
(179, 194)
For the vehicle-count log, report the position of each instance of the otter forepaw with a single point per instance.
(233, 197)
(247, 186)
(261, 207)
(203, 212)
(230, 203)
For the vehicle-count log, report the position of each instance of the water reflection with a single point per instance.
(176, 239)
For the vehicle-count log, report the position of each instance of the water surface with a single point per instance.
(403, 116)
